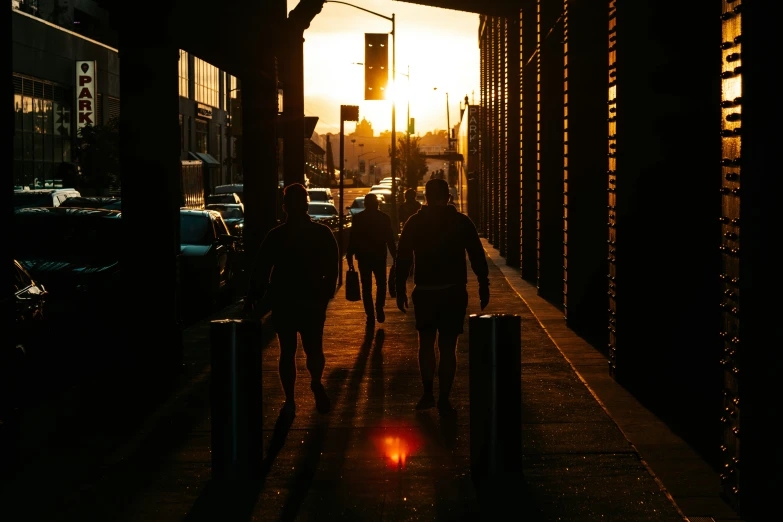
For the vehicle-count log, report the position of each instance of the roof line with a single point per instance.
(41, 20)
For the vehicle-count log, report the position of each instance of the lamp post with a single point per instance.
(393, 106)
(353, 146)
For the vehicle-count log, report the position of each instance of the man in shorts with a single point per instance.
(438, 236)
(303, 258)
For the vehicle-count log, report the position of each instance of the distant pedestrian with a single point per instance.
(438, 236)
(409, 207)
(302, 257)
(371, 235)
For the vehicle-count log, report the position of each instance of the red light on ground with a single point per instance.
(398, 447)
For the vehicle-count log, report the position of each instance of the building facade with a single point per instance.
(45, 75)
(627, 170)
(46, 60)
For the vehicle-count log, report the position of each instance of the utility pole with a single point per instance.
(347, 113)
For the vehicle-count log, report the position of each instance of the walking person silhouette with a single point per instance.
(371, 235)
(438, 236)
(303, 260)
(409, 207)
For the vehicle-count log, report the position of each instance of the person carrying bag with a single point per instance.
(352, 290)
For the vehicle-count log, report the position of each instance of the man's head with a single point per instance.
(410, 194)
(295, 200)
(371, 201)
(437, 192)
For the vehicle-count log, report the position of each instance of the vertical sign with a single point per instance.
(473, 141)
(86, 94)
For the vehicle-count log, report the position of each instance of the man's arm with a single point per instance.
(478, 260)
(390, 239)
(404, 257)
(331, 264)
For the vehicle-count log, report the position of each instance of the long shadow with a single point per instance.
(308, 465)
(235, 500)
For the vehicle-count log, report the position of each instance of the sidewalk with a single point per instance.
(590, 451)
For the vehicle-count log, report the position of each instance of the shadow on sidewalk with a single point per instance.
(300, 484)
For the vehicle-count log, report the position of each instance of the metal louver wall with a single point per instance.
(612, 189)
(731, 128)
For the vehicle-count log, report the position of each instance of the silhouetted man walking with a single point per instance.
(371, 235)
(303, 259)
(409, 207)
(438, 237)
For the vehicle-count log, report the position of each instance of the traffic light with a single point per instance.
(412, 126)
(376, 65)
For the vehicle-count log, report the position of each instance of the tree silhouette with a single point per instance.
(409, 167)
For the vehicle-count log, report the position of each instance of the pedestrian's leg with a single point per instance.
(427, 367)
(447, 368)
(365, 276)
(286, 365)
(313, 344)
(379, 269)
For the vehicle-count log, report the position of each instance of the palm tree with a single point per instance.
(410, 167)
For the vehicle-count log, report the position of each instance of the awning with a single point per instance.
(206, 158)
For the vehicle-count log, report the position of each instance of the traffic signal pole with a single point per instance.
(393, 108)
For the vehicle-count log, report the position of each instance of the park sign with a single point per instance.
(86, 94)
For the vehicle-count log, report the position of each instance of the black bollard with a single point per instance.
(495, 399)
(235, 388)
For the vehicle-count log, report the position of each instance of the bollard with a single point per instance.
(235, 388)
(495, 398)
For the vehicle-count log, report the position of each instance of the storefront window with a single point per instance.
(202, 136)
(207, 81)
(43, 136)
(183, 74)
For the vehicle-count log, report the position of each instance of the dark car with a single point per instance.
(107, 202)
(234, 216)
(75, 254)
(27, 307)
(209, 256)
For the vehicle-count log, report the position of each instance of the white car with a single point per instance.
(322, 211)
(320, 195)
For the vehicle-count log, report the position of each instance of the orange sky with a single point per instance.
(439, 45)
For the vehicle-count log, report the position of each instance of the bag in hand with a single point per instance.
(352, 290)
(393, 281)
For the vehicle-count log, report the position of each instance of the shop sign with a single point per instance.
(203, 111)
(473, 136)
(86, 93)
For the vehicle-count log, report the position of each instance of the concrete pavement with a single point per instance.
(590, 451)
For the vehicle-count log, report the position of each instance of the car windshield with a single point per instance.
(316, 209)
(32, 199)
(228, 212)
(195, 229)
(318, 195)
(358, 203)
(76, 238)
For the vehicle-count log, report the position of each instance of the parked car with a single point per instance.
(43, 197)
(231, 198)
(234, 216)
(320, 195)
(357, 206)
(238, 188)
(27, 307)
(75, 254)
(209, 256)
(107, 202)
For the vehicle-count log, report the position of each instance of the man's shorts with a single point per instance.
(442, 310)
(307, 319)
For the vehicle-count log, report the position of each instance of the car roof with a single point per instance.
(44, 190)
(199, 211)
(71, 211)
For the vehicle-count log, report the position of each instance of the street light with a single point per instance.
(393, 106)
